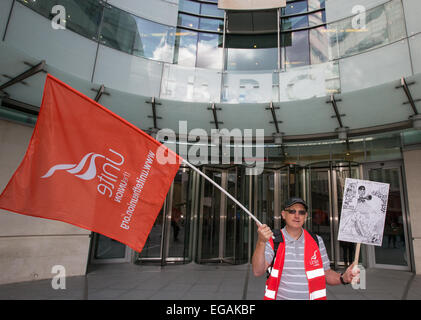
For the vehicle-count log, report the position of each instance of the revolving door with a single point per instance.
(325, 183)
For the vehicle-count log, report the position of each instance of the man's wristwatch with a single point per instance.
(342, 279)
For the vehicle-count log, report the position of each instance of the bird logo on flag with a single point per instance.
(76, 169)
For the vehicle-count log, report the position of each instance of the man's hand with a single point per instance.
(352, 274)
(264, 233)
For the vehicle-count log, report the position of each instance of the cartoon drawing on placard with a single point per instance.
(363, 212)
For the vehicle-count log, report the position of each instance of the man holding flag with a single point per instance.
(297, 259)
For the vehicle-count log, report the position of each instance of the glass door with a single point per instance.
(267, 206)
(223, 227)
(320, 213)
(177, 238)
(230, 216)
(211, 204)
(394, 252)
(326, 181)
(169, 238)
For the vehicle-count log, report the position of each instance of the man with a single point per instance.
(363, 223)
(301, 267)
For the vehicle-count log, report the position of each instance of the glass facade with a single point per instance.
(304, 36)
(199, 35)
(83, 17)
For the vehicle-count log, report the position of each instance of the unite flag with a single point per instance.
(89, 167)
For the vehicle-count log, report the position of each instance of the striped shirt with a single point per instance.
(294, 284)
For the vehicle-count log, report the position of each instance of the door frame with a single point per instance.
(222, 216)
(371, 256)
(330, 168)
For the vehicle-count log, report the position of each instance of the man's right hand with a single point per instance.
(264, 233)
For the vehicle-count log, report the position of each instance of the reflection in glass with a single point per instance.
(242, 220)
(295, 22)
(297, 51)
(137, 36)
(180, 216)
(209, 51)
(186, 20)
(383, 24)
(233, 215)
(211, 10)
(189, 6)
(315, 4)
(266, 196)
(211, 24)
(320, 206)
(154, 41)
(252, 52)
(185, 48)
(295, 7)
(211, 206)
(316, 18)
(152, 247)
(83, 17)
(319, 45)
(107, 248)
(118, 30)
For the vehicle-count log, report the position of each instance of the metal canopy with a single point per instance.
(275, 118)
(154, 115)
(215, 116)
(29, 73)
(405, 86)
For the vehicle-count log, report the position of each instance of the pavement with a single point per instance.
(198, 282)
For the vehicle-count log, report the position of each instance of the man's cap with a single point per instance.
(294, 200)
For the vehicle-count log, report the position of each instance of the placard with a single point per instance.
(363, 211)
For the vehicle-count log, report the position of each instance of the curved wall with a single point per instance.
(353, 68)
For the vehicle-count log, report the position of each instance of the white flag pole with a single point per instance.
(223, 190)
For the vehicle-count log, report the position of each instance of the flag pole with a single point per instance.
(224, 191)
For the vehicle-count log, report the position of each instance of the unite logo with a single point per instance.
(107, 178)
(313, 260)
(76, 169)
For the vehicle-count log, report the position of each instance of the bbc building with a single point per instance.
(329, 89)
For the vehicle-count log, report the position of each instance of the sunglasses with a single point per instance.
(300, 212)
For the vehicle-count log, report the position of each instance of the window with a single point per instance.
(211, 24)
(189, 6)
(295, 8)
(185, 20)
(137, 36)
(296, 48)
(319, 45)
(209, 51)
(252, 52)
(211, 10)
(185, 47)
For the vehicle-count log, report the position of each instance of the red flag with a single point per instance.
(88, 167)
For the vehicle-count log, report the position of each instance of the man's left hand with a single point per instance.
(352, 273)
